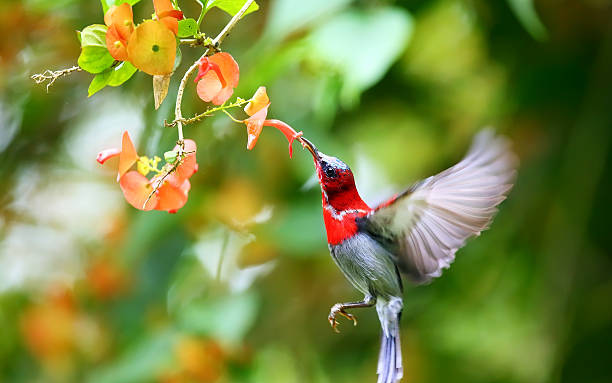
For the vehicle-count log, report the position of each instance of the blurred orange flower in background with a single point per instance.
(197, 360)
(106, 278)
(49, 327)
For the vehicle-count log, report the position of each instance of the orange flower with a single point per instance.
(49, 327)
(152, 48)
(162, 192)
(127, 155)
(166, 13)
(107, 279)
(217, 77)
(257, 109)
(119, 20)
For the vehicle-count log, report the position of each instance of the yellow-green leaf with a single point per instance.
(231, 6)
(99, 82)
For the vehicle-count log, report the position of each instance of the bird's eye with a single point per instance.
(330, 172)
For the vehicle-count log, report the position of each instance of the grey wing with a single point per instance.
(428, 223)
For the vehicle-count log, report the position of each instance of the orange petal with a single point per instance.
(128, 155)
(223, 95)
(172, 197)
(116, 46)
(189, 165)
(260, 100)
(229, 67)
(209, 86)
(136, 189)
(217, 70)
(123, 19)
(108, 16)
(152, 48)
(171, 23)
(254, 126)
(162, 6)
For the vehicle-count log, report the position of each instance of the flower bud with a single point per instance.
(170, 156)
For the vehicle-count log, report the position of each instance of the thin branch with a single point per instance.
(199, 40)
(219, 39)
(207, 113)
(232, 117)
(52, 75)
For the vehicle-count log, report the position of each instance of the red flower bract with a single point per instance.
(218, 75)
(165, 191)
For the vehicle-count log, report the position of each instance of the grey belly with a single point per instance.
(368, 266)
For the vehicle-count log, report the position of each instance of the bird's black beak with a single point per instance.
(311, 148)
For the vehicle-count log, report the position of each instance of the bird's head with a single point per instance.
(336, 180)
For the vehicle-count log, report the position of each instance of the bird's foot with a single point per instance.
(339, 309)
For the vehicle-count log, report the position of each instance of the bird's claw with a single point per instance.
(338, 309)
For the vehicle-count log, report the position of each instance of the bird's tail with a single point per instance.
(390, 357)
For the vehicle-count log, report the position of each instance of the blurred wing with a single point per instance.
(425, 225)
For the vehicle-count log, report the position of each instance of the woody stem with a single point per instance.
(51, 76)
(178, 115)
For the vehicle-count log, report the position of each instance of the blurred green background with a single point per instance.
(236, 287)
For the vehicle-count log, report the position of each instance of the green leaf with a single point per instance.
(178, 58)
(380, 35)
(287, 16)
(99, 81)
(111, 77)
(230, 6)
(122, 73)
(170, 156)
(527, 15)
(94, 35)
(144, 361)
(228, 318)
(187, 27)
(106, 4)
(94, 59)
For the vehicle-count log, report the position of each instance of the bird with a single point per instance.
(415, 233)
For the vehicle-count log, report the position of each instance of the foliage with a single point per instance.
(236, 286)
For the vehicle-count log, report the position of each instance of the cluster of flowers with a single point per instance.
(217, 77)
(167, 190)
(150, 46)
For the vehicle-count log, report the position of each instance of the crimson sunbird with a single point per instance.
(415, 232)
